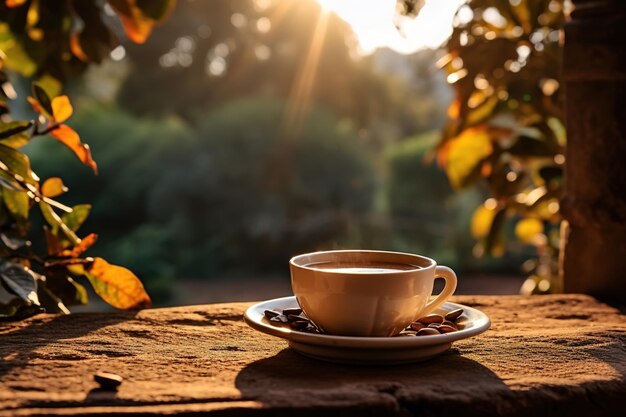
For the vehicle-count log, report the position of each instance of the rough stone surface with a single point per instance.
(544, 355)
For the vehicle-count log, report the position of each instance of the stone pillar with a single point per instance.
(594, 249)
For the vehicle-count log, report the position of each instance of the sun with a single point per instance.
(373, 23)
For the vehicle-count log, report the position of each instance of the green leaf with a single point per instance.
(42, 98)
(7, 181)
(17, 202)
(16, 162)
(17, 58)
(50, 84)
(156, 9)
(77, 217)
(9, 129)
(57, 223)
(20, 281)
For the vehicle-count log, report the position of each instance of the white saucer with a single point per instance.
(366, 350)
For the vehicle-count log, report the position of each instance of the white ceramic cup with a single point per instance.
(367, 293)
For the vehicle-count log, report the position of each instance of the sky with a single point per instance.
(373, 23)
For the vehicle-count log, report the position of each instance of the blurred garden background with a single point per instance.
(244, 132)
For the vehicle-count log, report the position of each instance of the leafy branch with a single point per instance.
(37, 41)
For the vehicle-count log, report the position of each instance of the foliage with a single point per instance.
(426, 215)
(52, 42)
(505, 126)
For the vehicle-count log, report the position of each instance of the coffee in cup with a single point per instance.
(366, 292)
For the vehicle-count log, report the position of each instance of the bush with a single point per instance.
(250, 198)
(419, 196)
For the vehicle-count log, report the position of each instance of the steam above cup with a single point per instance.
(365, 292)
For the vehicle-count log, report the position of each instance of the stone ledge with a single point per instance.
(545, 355)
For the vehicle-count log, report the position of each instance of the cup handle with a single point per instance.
(450, 277)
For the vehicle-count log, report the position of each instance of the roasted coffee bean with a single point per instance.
(299, 324)
(433, 325)
(431, 318)
(108, 381)
(292, 311)
(416, 325)
(449, 323)
(454, 314)
(279, 319)
(271, 313)
(444, 328)
(427, 331)
(407, 333)
(293, 317)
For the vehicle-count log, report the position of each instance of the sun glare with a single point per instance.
(373, 23)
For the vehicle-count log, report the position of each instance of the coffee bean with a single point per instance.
(431, 318)
(444, 328)
(299, 324)
(433, 325)
(454, 314)
(292, 311)
(294, 317)
(427, 332)
(108, 381)
(449, 323)
(271, 313)
(279, 319)
(416, 325)
(407, 333)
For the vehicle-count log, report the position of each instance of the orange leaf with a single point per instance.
(77, 48)
(53, 187)
(34, 104)
(15, 3)
(61, 108)
(117, 285)
(70, 138)
(136, 25)
(84, 244)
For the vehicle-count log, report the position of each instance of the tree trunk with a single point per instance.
(594, 207)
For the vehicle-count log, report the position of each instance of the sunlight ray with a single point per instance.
(298, 102)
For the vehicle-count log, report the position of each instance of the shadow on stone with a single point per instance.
(447, 383)
(23, 342)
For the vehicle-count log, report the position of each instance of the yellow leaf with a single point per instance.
(465, 153)
(117, 286)
(70, 138)
(61, 108)
(481, 221)
(53, 187)
(32, 16)
(527, 229)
